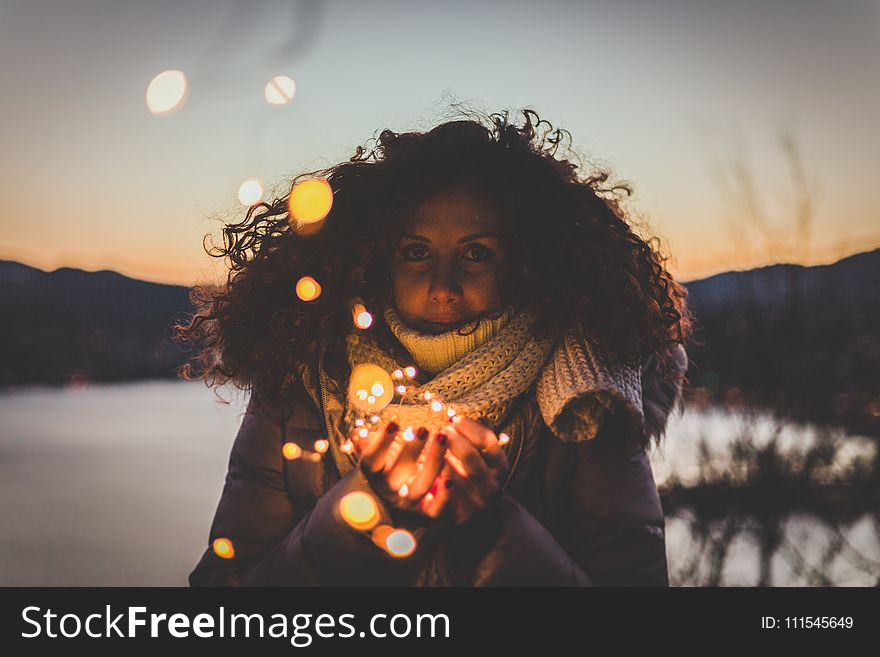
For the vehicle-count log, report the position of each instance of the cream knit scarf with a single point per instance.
(484, 375)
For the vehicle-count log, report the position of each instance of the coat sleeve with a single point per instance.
(616, 527)
(275, 543)
(521, 551)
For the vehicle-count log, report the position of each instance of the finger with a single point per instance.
(437, 499)
(374, 452)
(467, 495)
(476, 431)
(461, 448)
(431, 463)
(496, 458)
(404, 467)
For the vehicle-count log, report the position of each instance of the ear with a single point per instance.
(662, 392)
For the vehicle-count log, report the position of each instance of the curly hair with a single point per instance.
(577, 258)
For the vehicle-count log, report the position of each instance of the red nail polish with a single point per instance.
(422, 433)
(392, 427)
(433, 490)
(441, 438)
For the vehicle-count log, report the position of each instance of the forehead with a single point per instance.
(455, 212)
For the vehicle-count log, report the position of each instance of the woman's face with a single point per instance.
(448, 266)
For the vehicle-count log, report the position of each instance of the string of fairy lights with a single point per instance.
(371, 388)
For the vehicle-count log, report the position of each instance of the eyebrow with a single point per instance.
(466, 238)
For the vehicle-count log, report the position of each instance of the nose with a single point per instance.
(445, 287)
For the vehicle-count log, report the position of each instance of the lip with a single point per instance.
(449, 324)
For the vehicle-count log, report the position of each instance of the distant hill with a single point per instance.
(793, 336)
(70, 324)
(802, 338)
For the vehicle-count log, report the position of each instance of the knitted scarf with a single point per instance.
(573, 386)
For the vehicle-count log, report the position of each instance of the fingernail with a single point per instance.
(392, 427)
(449, 483)
(441, 438)
(422, 433)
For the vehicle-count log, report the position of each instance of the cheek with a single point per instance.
(404, 284)
(485, 286)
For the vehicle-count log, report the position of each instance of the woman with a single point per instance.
(547, 342)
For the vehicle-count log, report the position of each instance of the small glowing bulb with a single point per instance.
(359, 422)
(291, 451)
(359, 510)
(408, 435)
(315, 456)
(409, 371)
(450, 412)
(363, 433)
(436, 405)
(400, 543)
(503, 439)
(401, 390)
(308, 289)
(398, 374)
(378, 390)
(404, 491)
(374, 419)
(427, 395)
(347, 447)
(362, 319)
(321, 445)
(223, 548)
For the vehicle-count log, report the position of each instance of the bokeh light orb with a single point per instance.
(308, 289)
(223, 548)
(167, 92)
(362, 318)
(370, 388)
(359, 510)
(310, 201)
(291, 451)
(280, 90)
(396, 542)
(250, 192)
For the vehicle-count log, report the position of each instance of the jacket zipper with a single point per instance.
(330, 436)
(519, 449)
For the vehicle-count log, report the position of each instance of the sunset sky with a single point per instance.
(671, 94)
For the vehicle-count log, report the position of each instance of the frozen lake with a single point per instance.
(116, 485)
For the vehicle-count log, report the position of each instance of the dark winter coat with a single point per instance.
(572, 513)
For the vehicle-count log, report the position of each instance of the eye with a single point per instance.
(479, 253)
(415, 252)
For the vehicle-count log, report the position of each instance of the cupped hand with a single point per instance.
(402, 472)
(474, 472)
